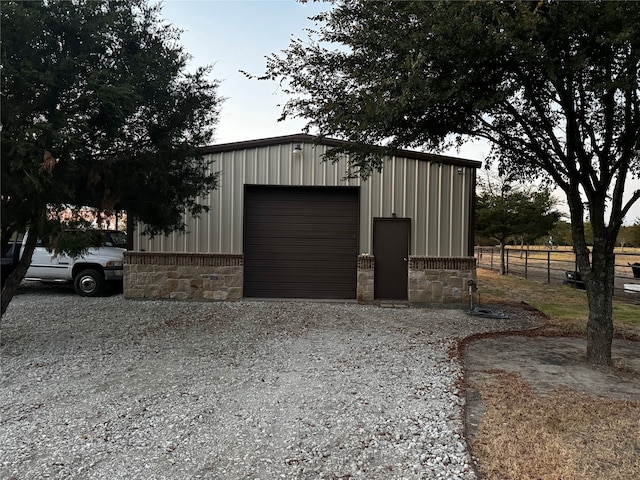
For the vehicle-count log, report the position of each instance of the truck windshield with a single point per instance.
(118, 238)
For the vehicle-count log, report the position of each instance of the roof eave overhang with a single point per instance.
(333, 142)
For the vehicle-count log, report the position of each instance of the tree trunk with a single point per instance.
(14, 280)
(599, 284)
(503, 268)
(522, 246)
(597, 269)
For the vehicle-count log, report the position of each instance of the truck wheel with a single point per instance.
(88, 283)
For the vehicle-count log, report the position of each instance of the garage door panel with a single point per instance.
(300, 242)
(292, 234)
(306, 269)
(304, 254)
(287, 229)
(315, 277)
(311, 218)
(317, 223)
(299, 290)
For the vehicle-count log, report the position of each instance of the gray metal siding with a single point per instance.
(434, 195)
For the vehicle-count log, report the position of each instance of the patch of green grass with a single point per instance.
(565, 307)
(564, 311)
(625, 313)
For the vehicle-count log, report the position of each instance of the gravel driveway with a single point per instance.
(110, 388)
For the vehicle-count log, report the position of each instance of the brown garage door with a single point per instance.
(300, 242)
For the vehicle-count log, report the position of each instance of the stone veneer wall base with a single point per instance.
(432, 281)
(183, 276)
(366, 268)
(441, 281)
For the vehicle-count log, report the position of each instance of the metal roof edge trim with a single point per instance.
(332, 142)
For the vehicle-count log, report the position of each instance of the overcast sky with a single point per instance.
(235, 35)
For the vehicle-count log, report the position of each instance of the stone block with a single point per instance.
(457, 282)
(234, 293)
(196, 283)
(143, 278)
(153, 292)
(365, 285)
(135, 292)
(220, 295)
(158, 278)
(172, 284)
(436, 291)
(179, 295)
(419, 296)
(235, 279)
(451, 295)
(183, 285)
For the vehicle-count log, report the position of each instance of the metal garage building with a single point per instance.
(285, 224)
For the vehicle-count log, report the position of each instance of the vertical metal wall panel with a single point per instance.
(433, 195)
(445, 212)
(433, 209)
(457, 210)
(419, 198)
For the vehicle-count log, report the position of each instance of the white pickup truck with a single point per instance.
(89, 272)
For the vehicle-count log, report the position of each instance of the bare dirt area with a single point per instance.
(107, 388)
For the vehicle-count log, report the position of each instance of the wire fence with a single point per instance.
(559, 266)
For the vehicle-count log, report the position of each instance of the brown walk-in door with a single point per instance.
(391, 237)
(300, 242)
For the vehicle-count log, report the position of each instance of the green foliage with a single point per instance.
(74, 242)
(505, 211)
(99, 110)
(561, 233)
(626, 237)
(634, 234)
(553, 85)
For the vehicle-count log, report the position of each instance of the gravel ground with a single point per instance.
(109, 388)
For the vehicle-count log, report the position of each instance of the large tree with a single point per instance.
(99, 110)
(635, 233)
(506, 210)
(553, 85)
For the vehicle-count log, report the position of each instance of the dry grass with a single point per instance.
(541, 262)
(626, 250)
(565, 435)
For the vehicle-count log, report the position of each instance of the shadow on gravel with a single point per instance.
(61, 289)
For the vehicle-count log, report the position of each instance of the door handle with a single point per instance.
(405, 259)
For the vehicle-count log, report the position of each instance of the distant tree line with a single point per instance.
(560, 235)
(510, 212)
